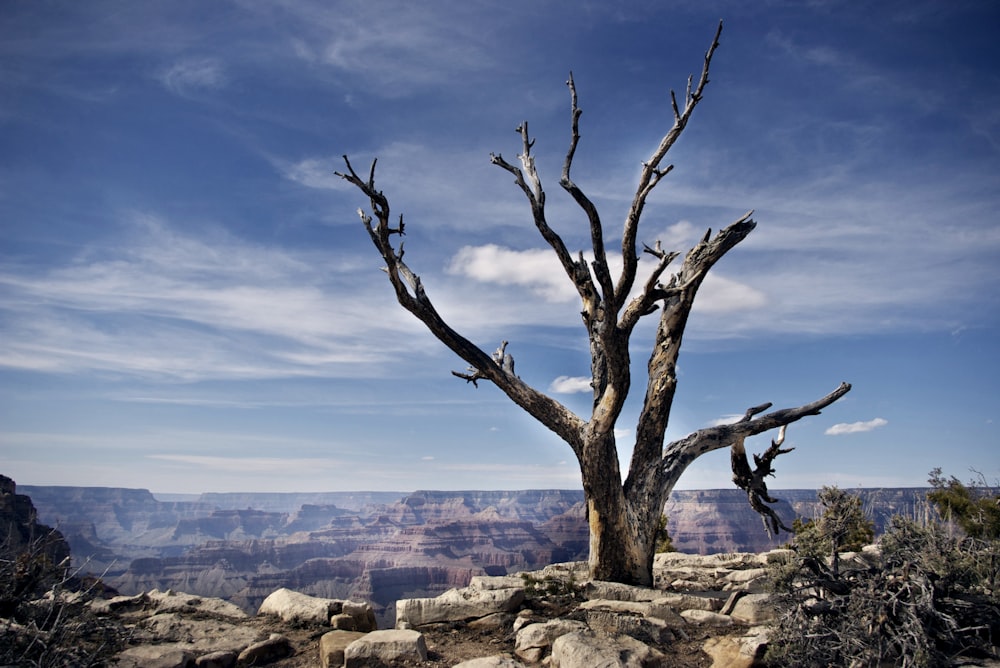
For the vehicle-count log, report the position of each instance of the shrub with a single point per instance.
(663, 541)
(975, 508)
(922, 599)
(45, 620)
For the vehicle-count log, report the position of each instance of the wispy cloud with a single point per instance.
(279, 466)
(855, 427)
(393, 48)
(193, 75)
(314, 173)
(196, 307)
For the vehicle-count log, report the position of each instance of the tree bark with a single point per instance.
(623, 516)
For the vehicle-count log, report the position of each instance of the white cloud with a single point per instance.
(188, 76)
(536, 269)
(719, 294)
(856, 427)
(571, 385)
(680, 236)
(725, 419)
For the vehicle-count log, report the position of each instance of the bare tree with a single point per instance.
(622, 515)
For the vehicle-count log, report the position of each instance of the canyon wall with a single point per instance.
(377, 546)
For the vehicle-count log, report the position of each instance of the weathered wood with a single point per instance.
(623, 515)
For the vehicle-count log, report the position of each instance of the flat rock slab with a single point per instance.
(586, 650)
(706, 618)
(457, 605)
(200, 634)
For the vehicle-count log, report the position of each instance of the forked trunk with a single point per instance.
(620, 549)
(615, 553)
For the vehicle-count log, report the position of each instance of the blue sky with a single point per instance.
(189, 303)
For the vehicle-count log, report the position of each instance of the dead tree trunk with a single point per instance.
(623, 516)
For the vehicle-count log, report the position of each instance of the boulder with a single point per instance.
(725, 653)
(361, 613)
(706, 618)
(648, 630)
(497, 620)
(653, 609)
(598, 589)
(385, 648)
(497, 581)
(266, 651)
(457, 605)
(534, 641)
(118, 604)
(586, 650)
(332, 646)
(743, 579)
(681, 601)
(216, 660)
(171, 601)
(155, 656)
(500, 661)
(291, 606)
(753, 609)
(522, 619)
(737, 652)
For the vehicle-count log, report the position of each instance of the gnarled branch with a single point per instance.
(752, 481)
(411, 296)
(678, 454)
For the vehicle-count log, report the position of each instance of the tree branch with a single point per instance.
(500, 357)
(600, 263)
(652, 174)
(752, 481)
(577, 271)
(411, 296)
(678, 454)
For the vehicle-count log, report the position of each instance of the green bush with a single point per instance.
(975, 508)
(663, 541)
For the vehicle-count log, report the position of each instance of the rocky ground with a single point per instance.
(693, 617)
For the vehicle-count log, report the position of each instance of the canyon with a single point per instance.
(377, 546)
